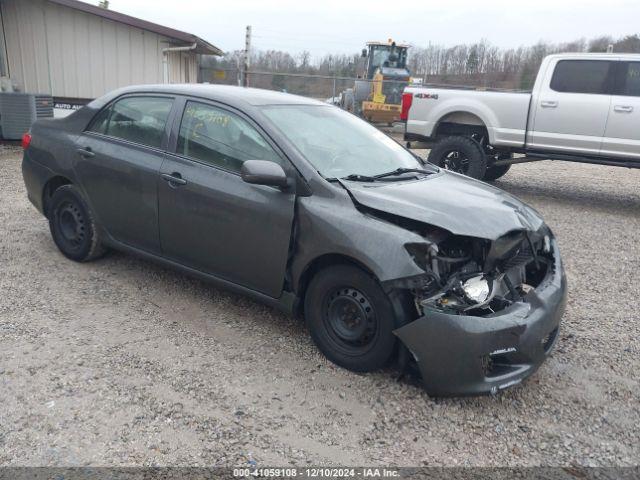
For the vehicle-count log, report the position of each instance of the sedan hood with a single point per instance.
(456, 203)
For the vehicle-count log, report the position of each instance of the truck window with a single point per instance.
(582, 76)
(629, 79)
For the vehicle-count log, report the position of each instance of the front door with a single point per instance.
(572, 107)
(213, 221)
(118, 161)
(622, 136)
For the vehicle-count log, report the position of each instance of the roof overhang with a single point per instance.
(180, 38)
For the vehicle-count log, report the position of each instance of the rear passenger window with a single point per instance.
(582, 76)
(221, 138)
(630, 81)
(136, 119)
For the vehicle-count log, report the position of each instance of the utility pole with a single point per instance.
(247, 52)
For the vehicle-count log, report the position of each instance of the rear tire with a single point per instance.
(350, 318)
(348, 100)
(72, 225)
(494, 173)
(461, 155)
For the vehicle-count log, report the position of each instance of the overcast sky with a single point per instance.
(343, 26)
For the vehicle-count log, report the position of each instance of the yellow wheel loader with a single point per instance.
(383, 75)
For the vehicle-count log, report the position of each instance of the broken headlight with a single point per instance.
(477, 289)
(475, 276)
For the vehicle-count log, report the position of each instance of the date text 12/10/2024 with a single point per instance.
(316, 472)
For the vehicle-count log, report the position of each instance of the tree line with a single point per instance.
(487, 65)
(478, 64)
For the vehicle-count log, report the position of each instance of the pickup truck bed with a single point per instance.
(505, 120)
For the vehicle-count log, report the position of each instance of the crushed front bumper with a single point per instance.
(467, 355)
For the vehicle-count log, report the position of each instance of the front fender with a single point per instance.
(333, 226)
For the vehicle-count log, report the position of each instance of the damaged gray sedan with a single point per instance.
(390, 260)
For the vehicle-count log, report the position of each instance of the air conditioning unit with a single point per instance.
(18, 111)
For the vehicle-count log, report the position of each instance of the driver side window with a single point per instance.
(220, 138)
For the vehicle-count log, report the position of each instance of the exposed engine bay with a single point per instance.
(488, 310)
(471, 276)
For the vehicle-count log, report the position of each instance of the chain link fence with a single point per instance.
(325, 88)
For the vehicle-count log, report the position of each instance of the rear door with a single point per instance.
(622, 135)
(118, 161)
(210, 219)
(572, 106)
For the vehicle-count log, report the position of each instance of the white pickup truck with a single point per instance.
(583, 108)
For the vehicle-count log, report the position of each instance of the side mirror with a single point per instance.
(364, 53)
(264, 172)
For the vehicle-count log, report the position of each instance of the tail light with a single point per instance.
(26, 140)
(407, 99)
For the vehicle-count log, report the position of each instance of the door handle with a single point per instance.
(548, 104)
(623, 108)
(174, 179)
(85, 152)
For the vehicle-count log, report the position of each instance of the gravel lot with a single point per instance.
(121, 362)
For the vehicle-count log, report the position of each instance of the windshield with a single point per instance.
(381, 56)
(337, 143)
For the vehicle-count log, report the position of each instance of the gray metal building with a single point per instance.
(76, 51)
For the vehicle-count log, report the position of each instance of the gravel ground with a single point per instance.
(121, 362)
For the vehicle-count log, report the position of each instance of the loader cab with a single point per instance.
(385, 55)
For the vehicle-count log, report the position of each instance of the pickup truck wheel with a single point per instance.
(460, 155)
(494, 173)
(350, 318)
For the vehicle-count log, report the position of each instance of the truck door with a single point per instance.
(572, 107)
(622, 135)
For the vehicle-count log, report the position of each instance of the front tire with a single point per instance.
(73, 226)
(350, 318)
(460, 155)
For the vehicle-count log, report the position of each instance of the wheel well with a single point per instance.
(318, 264)
(51, 186)
(463, 124)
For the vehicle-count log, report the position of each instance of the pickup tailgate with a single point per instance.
(503, 113)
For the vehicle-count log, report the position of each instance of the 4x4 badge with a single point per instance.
(433, 96)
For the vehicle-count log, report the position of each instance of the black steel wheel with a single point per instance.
(350, 318)
(72, 225)
(461, 155)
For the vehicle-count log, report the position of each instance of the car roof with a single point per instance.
(229, 94)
